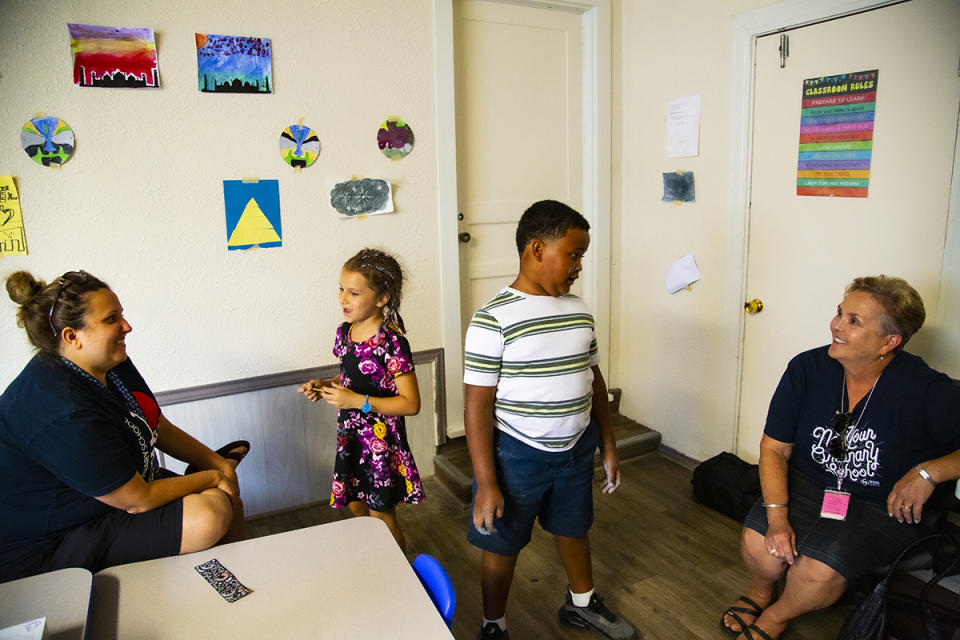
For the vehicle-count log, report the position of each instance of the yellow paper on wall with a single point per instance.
(253, 227)
(13, 241)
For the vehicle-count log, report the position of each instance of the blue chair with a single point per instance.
(437, 583)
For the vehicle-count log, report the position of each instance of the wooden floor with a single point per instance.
(663, 561)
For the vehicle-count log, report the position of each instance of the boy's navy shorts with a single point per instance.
(556, 487)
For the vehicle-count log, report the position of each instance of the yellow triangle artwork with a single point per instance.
(252, 228)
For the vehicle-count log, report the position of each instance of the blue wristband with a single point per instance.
(365, 407)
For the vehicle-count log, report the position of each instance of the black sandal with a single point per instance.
(226, 451)
(732, 612)
(752, 629)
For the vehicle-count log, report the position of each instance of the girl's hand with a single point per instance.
(341, 397)
(311, 388)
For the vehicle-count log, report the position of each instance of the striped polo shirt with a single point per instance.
(537, 351)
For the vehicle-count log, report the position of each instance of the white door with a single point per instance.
(803, 250)
(519, 130)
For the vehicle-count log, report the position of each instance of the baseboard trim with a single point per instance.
(675, 456)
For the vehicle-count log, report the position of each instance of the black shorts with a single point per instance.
(868, 539)
(116, 537)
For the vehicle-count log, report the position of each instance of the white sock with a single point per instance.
(500, 622)
(581, 599)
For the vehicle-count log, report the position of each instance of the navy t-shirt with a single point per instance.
(912, 416)
(63, 441)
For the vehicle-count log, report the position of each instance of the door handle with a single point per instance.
(753, 306)
(464, 237)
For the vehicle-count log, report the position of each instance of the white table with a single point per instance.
(347, 579)
(63, 597)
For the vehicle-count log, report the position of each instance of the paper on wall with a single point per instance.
(682, 273)
(13, 241)
(359, 197)
(683, 127)
(32, 630)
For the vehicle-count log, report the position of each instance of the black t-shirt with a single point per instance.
(63, 441)
(912, 416)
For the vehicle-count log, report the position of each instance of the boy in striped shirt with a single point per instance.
(536, 410)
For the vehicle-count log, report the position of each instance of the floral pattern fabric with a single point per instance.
(374, 463)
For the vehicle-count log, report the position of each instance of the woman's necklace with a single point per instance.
(845, 433)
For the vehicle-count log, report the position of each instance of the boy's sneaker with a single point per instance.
(596, 615)
(492, 632)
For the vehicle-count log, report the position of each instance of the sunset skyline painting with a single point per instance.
(113, 57)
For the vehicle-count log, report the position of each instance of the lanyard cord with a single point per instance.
(846, 459)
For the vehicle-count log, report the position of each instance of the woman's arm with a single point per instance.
(774, 459)
(405, 403)
(913, 490)
(138, 496)
(181, 445)
(173, 440)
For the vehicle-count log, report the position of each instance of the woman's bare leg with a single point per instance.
(765, 572)
(207, 517)
(811, 585)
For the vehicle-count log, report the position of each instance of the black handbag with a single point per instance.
(728, 484)
(931, 628)
(868, 621)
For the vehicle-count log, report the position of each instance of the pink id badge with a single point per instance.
(835, 504)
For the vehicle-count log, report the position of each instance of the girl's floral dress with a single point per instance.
(374, 463)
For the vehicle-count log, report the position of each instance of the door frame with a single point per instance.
(745, 29)
(595, 20)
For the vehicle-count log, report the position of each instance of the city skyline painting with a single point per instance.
(113, 57)
(233, 64)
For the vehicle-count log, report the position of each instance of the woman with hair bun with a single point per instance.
(80, 485)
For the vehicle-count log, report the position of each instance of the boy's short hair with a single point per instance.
(547, 219)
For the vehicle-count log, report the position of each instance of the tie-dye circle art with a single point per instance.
(395, 138)
(299, 145)
(48, 140)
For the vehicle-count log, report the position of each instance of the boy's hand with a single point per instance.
(487, 506)
(340, 397)
(611, 465)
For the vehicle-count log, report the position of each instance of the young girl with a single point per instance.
(374, 469)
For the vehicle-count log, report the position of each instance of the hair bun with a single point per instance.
(21, 286)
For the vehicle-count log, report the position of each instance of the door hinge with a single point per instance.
(784, 49)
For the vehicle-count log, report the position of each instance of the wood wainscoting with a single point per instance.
(293, 441)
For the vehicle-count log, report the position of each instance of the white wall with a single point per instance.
(670, 347)
(675, 354)
(141, 202)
